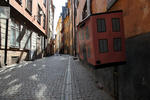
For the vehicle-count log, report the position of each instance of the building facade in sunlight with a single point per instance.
(67, 28)
(59, 43)
(27, 30)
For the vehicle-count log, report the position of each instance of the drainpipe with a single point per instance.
(75, 30)
(6, 39)
(6, 42)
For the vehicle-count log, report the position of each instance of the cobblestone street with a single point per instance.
(52, 78)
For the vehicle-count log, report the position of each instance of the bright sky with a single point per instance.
(58, 9)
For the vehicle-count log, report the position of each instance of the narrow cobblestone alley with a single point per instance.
(53, 78)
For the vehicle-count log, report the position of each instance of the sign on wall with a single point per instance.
(4, 12)
(110, 3)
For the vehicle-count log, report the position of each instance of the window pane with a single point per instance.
(103, 46)
(87, 33)
(116, 24)
(101, 25)
(39, 15)
(82, 35)
(117, 44)
(29, 5)
(17, 34)
(12, 40)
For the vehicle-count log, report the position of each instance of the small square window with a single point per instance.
(116, 24)
(103, 46)
(101, 25)
(117, 44)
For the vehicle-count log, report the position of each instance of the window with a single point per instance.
(44, 19)
(101, 25)
(84, 13)
(29, 6)
(117, 44)
(28, 39)
(77, 3)
(19, 1)
(14, 35)
(39, 14)
(45, 3)
(89, 52)
(87, 33)
(82, 35)
(42, 43)
(103, 46)
(116, 24)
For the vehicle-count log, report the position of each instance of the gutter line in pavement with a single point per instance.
(67, 84)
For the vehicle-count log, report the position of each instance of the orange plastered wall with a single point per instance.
(136, 16)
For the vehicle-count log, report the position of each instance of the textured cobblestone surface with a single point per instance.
(53, 78)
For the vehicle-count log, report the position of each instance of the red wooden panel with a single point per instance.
(96, 57)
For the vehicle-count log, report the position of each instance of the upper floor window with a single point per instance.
(116, 24)
(29, 6)
(39, 14)
(77, 3)
(44, 19)
(84, 13)
(44, 3)
(19, 1)
(101, 25)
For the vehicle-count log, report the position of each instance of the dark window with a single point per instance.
(103, 46)
(117, 44)
(84, 13)
(82, 35)
(87, 33)
(44, 19)
(45, 3)
(29, 6)
(79, 35)
(19, 1)
(116, 24)
(101, 25)
(39, 14)
(89, 52)
(77, 3)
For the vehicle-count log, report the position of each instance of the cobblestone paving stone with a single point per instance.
(47, 79)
